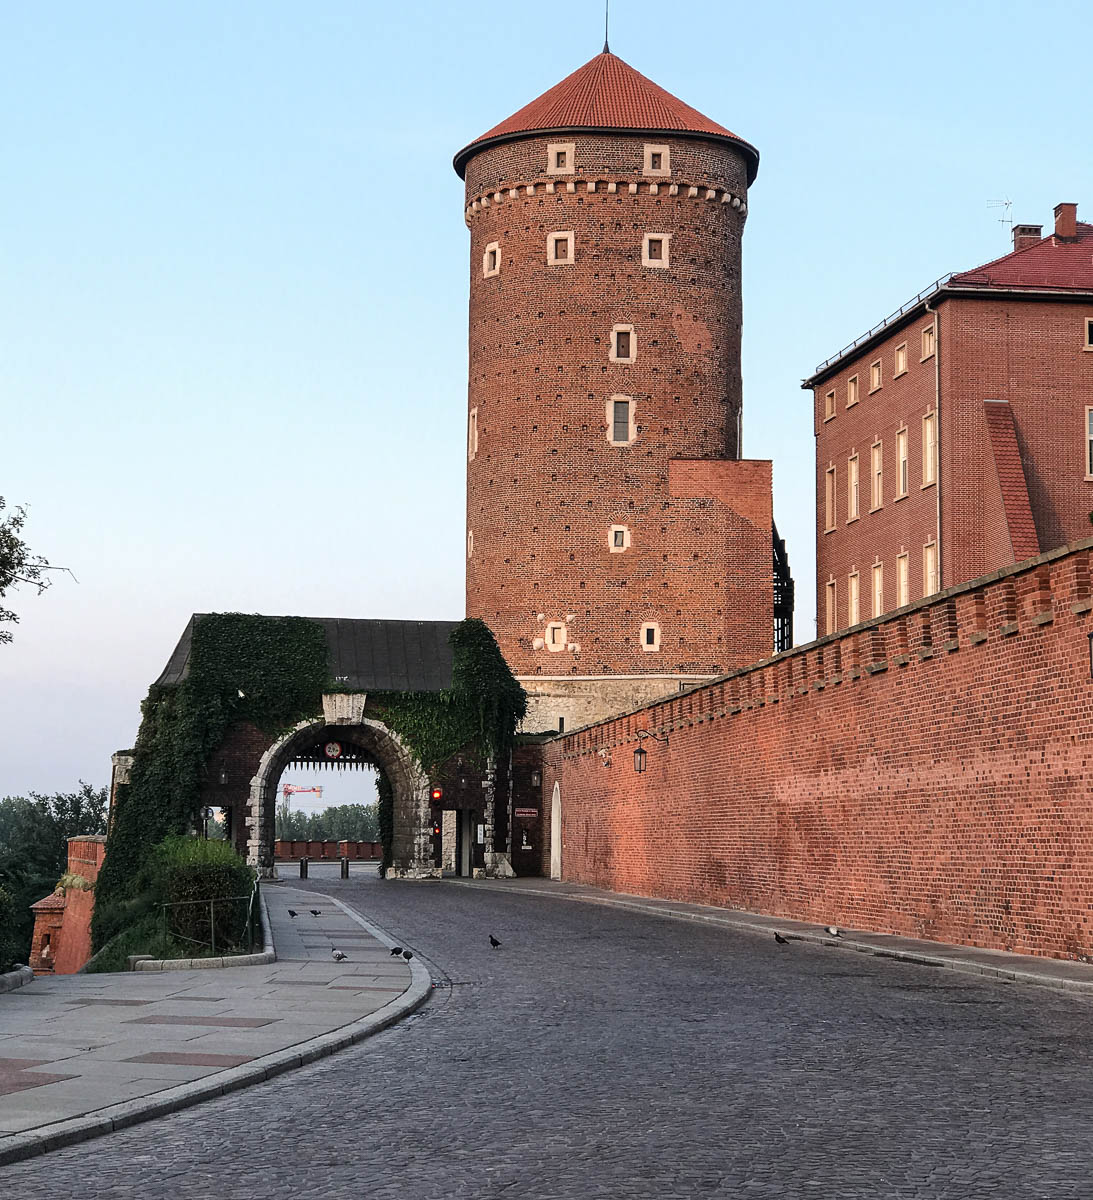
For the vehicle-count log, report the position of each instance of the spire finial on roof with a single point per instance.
(606, 17)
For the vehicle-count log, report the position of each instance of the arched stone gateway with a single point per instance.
(412, 854)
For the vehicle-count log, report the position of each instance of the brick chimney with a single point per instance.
(1066, 221)
(1026, 235)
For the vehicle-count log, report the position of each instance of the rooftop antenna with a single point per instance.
(1005, 206)
(606, 19)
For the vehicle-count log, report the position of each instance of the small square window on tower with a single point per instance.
(491, 260)
(560, 248)
(624, 344)
(650, 636)
(658, 160)
(618, 539)
(621, 430)
(560, 158)
(555, 637)
(654, 249)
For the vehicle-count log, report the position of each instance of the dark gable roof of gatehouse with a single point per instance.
(374, 656)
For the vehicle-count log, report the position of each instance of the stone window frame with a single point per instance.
(903, 463)
(829, 406)
(647, 627)
(831, 611)
(472, 434)
(876, 588)
(903, 578)
(1089, 441)
(566, 148)
(495, 249)
(929, 448)
(876, 376)
(831, 498)
(609, 417)
(1087, 325)
(876, 476)
(931, 575)
(612, 531)
(657, 264)
(552, 245)
(853, 488)
(853, 598)
(613, 353)
(470, 543)
(899, 360)
(665, 169)
(929, 342)
(555, 645)
(852, 391)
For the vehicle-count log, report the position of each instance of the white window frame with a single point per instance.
(656, 263)
(899, 360)
(495, 249)
(550, 642)
(472, 434)
(876, 376)
(647, 627)
(831, 499)
(612, 532)
(829, 405)
(831, 616)
(1087, 326)
(613, 354)
(929, 342)
(930, 579)
(470, 543)
(903, 466)
(853, 599)
(876, 580)
(566, 148)
(903, 579)
(853, 500)
(876, 476)
(665, 167)
(552, 248)
(1089, 442)
(929, 448)
(609, 417)
(852, 391)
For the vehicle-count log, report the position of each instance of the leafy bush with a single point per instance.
(7, 940)
(192, 871)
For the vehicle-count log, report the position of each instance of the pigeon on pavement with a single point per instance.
(396, 951)
(291, 914)
(833, 930)
(781, 940)
(337, 955)
(315, 912)
(494, 942)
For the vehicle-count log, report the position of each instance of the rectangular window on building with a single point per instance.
(929, 569)
(852, 599)
(928, 337)
(829, 405)
(874, 376)
(903, 580)
(901, 461)
(901, 359)
(1089, 443)
(1089, 333)
(878, 589)
(829, 499)
(929, 449)
(472, 434)
(851, 391)
(620, 422)
(831, 615)
(852, 489)
(876, 476)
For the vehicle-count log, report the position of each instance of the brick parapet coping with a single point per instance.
(1020, 598)
(512, 191)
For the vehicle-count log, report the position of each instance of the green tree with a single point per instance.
(17, 564)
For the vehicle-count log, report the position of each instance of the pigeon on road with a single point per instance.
(315, 912)
(292, 914)
(337, 955)
(833, 930)
(781, 940)
(396, 951)
(494, 942)
(407, 954)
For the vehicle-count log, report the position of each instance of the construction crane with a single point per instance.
(293, 789)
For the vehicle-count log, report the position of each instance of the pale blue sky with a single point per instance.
(233, 265)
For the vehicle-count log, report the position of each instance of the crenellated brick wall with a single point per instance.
(61, 943)
(927, 773)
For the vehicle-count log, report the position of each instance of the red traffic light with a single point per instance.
(437, 794)
(436, 829)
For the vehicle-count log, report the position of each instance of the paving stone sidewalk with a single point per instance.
(999, 964)
(82, 1054)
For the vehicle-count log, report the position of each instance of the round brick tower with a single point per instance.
(615, 544)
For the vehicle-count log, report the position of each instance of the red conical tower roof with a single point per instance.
(607, 94)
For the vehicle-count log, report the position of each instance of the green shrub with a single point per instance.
(191, 872)
(7, 941)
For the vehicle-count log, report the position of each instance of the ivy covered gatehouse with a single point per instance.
(430, 705)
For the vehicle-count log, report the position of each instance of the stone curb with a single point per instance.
(268, 954)
(21, 1146)
(11, 980)
(1017, 973)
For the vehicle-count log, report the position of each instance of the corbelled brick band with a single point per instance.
(925, 774)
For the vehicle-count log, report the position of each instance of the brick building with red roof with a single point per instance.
(956, 437)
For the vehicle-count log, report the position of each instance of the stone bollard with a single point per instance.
(303, 867)
(345, 866)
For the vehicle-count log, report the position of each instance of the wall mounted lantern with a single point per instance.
(639, 759)
(640, 754)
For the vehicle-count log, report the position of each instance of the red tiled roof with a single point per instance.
(1011, 479)
(1049, 263)
(607, 93)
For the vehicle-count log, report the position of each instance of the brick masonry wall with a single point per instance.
(924, 775)
(545, 485)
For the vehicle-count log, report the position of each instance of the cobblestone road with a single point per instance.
(608, 1054)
